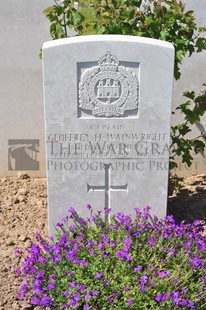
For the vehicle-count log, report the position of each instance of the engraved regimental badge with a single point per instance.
(109, 89)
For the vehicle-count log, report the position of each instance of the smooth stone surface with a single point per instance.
(107, 113)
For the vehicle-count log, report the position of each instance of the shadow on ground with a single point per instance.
(187, 200)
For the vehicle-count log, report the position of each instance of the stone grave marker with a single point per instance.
(107, 114)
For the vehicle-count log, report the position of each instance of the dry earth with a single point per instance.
(23, 212)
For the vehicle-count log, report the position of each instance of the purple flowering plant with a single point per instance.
(137, 262)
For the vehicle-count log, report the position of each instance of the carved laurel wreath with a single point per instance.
(132, 81)
(84, 84)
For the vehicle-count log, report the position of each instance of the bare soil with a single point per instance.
(23, 212)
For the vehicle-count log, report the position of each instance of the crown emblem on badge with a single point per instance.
(108, 89)
(108, 62)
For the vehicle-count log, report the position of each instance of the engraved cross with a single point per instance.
(107, 188)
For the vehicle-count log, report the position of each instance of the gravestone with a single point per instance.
(107, 113)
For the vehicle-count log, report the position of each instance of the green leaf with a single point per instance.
(164, 35)
(184, 129)
(57, 31)
(202, 101)
(179, 56)
(190, 95)
(50, 9)
(74, 18)
(172, 165)
(199, 146)
(187, 158)
(201, 44)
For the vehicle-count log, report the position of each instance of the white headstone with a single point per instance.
(76, 5)
(107, 112)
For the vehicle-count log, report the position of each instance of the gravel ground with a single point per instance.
(23, 212)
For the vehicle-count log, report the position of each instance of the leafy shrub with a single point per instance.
(193, 109)
(141, 263)
(166, 20)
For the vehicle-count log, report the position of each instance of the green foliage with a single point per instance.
(181, 145)
(89, 18)
(165, 20)
(63, 16)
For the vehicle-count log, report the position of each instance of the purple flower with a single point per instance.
(120, 254)
(82, 287)
(35, 250)
(106, 282)
(94, 218)
(42, 260)
(187, 244)
(72, 227)
(67, 293)
(110, 299)
(71, 254)
(107, 210)
(73, 302)
(92, 252)
(143, 282)
(69, 273)
(87, 296)
(21, 294)
(46, 301)
(161, 296)
(175, 297)
(86, 307)
(18, 271)
(158, 297)
(127, 243)
(99, 275)
(35, 300)
(72, 284)
(130, 302)
(53, 277)
(199, 296)
(101, 246)
(171, 252)
(120, 216)
(124, 255)
(17, 251)
(116, 293)
(164, 273)
(151, 241)
(51, 286)
(196, 262)
(59, 224)
(106, 254)
(84, 263)
(138, 268)
(105, 238)
(76, 296)
(83, 221)
(183, 302)
(113, 243)
(191, 304)
(65, 219)
(95, 292)
(71, 210)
